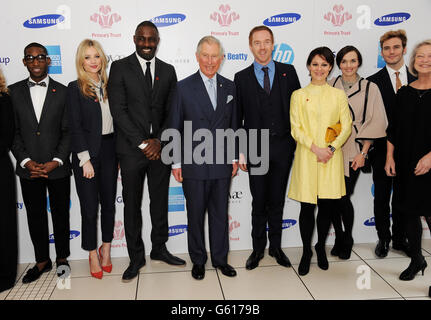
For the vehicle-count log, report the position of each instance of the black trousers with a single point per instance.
(133, 172)
(382, 195)
(346, 210)
(200, 196)
(35, 200)
(102, 188)
(269, 194)
(8, 224)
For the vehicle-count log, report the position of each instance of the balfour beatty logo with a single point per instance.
(168, 19)
(391, 19)
(236, 56)
(176, 230)
(44, 21)
(282, 19)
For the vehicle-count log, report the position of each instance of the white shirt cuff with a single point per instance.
(83, 157)
(23, 162)
(176, 165)
(58, 160)
(143, 145)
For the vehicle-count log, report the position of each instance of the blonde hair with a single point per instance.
(401, 34)
(3, 87)
(85, 84)
(412, 69)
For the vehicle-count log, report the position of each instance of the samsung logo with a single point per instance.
(168, 19)
(288, 223)
(73, 234)
(176, 230)
(370, 222)
(391, 19)
(47, 20)
(282, 19)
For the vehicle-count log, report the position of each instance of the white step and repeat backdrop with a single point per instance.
(298, 26)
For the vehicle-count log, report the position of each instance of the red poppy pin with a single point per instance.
(157, 78)
(53, 90)
(284, 74)
(96, 100)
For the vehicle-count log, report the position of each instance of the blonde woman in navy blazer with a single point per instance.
(93, 152)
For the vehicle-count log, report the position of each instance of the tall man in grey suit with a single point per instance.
(140, 88)
(206, 100)
(41, 149)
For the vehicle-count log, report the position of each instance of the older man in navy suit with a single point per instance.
(206, 101)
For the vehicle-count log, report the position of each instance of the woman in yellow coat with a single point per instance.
(318, 170)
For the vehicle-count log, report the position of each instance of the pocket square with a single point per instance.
(229, 99)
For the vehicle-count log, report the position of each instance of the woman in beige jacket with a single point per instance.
(317, 171)
(369, 123)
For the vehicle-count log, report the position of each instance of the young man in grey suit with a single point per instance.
(140, 88)
(206, 101)
(41, 148)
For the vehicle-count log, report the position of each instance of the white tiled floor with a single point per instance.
(159, 281)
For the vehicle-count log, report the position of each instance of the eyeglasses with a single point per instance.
(40, 58)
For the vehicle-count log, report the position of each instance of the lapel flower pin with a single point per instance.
(53, 90)
(157, 78)
(284, 74)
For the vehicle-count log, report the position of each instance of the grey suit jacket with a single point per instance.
(44, 140)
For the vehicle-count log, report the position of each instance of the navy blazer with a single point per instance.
(44, 140)
(191, 102)
(249, 103)
(85, 117)
(383, 81)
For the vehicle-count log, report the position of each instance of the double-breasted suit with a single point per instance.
(206, 185)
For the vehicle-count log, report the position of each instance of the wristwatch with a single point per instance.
(332, 148)
(365, 155)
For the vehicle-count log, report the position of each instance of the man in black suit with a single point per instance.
(206, 102)
(389, 80)
(264, 90)
(139, 90)
(41, 148)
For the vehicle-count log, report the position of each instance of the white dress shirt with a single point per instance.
(402, 75)
(143, 64)
(38, 95)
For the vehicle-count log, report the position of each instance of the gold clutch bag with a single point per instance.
(332, 132)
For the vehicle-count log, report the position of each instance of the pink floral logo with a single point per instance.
(118, 230)
(233, 224)
(225, 16)
(338, 16)
(105, 18)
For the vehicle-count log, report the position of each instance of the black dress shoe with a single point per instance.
(322, 261)
(33, 274)
(198, 271)
(165, 256)
(402, 246)
(304, 265)
(382, 248)
(62, 270)
(132, 271)
(280, 257)
(413, 269)
(227, 270)
(253, 260)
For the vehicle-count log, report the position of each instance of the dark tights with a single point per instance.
(323, 220)
(414, 236)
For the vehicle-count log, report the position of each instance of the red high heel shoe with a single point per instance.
(104, 268)
(97, 275)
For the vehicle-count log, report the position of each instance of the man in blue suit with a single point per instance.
(206, 101)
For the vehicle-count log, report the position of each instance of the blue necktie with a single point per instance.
(212, 93)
